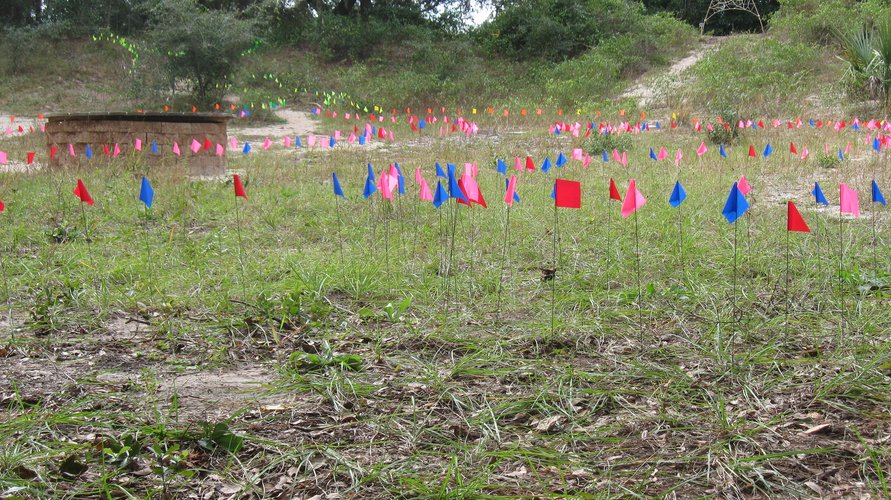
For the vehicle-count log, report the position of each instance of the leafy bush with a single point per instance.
(201, 46)
(814, 21)
(867, 51)
(555, 30)
(598, 143)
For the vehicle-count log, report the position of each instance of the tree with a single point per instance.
(202, 46)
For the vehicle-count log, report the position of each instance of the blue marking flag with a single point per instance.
(89, 152)
(546, 164)
(502, 167)
(877, 196)
(297, 143)
(723, 153)
(605, 157)
(154, 147)
(841, 156)
(146, 193)
(767, 150)
(876, 144)
(561, 160)
(678, 195)
(439, 172)
(370, 188)
(331, 142)
(652, 155)
(440, 196)
(362, 140)
(455, 190)
(819, 197)
(735, 206)
(247, 148)
(337, 190)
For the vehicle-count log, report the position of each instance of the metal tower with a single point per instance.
(716, 7)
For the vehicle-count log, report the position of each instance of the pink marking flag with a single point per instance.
(518, 165)
(511, 189)
(848, 202)
(287, 141)
(702, 149)
(233, 143)
(577, 154)
(634, 199)
(311, 140)
(195, 146)
(805, 153)
(743, 185)
(220, 150)
(678, 157)
(176, 150)
(426, 195)
(663, 154)
(418, 177)
(4, 158)
(137, 144)
(267, 144)
(71, 149)
(116, 151)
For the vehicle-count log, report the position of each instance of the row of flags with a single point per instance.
(567, 194)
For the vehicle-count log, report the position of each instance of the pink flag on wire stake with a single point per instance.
(195, 146)
(426, 195)
(678, 157)
(702, 149)
(137, 144)
(848, 202)
(511, 188)
(220, 150)
(634, 199)
(743, 185)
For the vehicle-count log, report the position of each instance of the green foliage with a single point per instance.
(817, 21)
(555, 30)
(302, 362)
(825, 160)
(596, 144)
(201, 46)
(867, 52)
(603, 70)
(755, 75)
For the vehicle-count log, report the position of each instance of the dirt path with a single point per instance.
(643, 90)
(297, 123)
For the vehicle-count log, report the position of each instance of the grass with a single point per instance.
(137, 377)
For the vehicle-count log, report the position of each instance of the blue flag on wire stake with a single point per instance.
(546, 165)
(146, 193)
(454, 189)
(723, 153)
(247, 148)
(652, 155)
(561, 160)
(439, 172)
(678, 195)
(819, 197)
(337, 190)
(768, 150)
(877, 196)
(605, 157)
(89, 152)
(502, 167)
(440, 196)
(370, 188)
(735, 206)
(154, 147)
